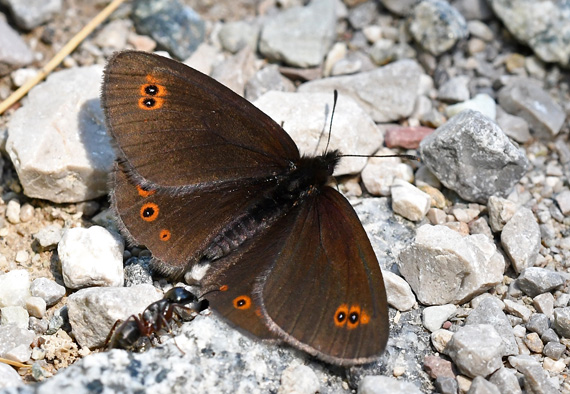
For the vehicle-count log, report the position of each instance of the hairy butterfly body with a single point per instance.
(204, 177)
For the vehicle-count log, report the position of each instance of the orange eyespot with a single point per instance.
(242, 302)
(164, 235)
(149, 212)
(224, 288)
(150, 103)
(364, 318)
(341, 315)
(353, 317)
(145, 193)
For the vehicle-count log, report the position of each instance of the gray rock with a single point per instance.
(398, 291)
(91, 257)
(234, 36)
(482, 386)
(9, 377)
(472, 156)
(520, 239)
(506, 381)
(14, 52)
(550, 336)
(482, 103)
(380, 173)
(94, 311)
(174, 26)
(454, 90)
(489, 312)
(561, 323)
(563, 201)
(437, 26)
(113, 36)
(480, 30)
(300, 36)
(266, 79)
(236, 70)
(57, 140)
(387, 93)
(206, 356)
(444, 267)
(541, 25)
(536, 379)
(433, 317)
(363, 14)
(48, 290)
(535, 280)
(476, 350)
(446, 385)
(538, 323)
(525, 98)
(544, 303)
(32, 13)
(554, 350)
(474, 9)
(15, 315)
(385, 385)
(513, 126)
(299, 379)
(48, 237)
(480, 226)
(303, 116)
(399, 7)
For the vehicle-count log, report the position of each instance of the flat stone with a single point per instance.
(387, 93)
(93, 311)
(520, 239)
(443, 267)
(482, 103)
(433, 317)
(525, 98)
(57, 140)
(384, 385)
(380, 173)
(14, 288)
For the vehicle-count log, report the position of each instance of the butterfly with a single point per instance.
(205, 179)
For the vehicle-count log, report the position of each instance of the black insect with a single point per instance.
(135, 332)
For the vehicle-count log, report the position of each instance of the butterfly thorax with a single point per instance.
(304, 179)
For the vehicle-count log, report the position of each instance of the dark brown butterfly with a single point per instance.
(204, 177)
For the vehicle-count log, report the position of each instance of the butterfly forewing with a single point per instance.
(177, 127)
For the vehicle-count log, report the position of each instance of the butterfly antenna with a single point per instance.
(325, 125)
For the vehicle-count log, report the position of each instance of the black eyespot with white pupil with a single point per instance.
(353, 317)
(148, 212)
(149, 102)
(151, 90)
(340, 317)
(241, 302)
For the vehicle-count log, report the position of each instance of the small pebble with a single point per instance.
(13, 211)
(26, 213)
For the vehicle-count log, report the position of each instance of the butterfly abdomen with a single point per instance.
(305, 179)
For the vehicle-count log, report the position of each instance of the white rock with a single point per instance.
(385, 385)
(440, 338)
(94, 311)
(13, 211)
(15, 315)
(521, 239)
(9, 377)
(299, 379)
(380, 173)
(14, 288)
(91, 257)
(398, 291)
(57, 139)
(444, 267)
(36, 307)
(434, 316)
(409, 201)
(481, 102)
(500, 211)
(305, 115)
